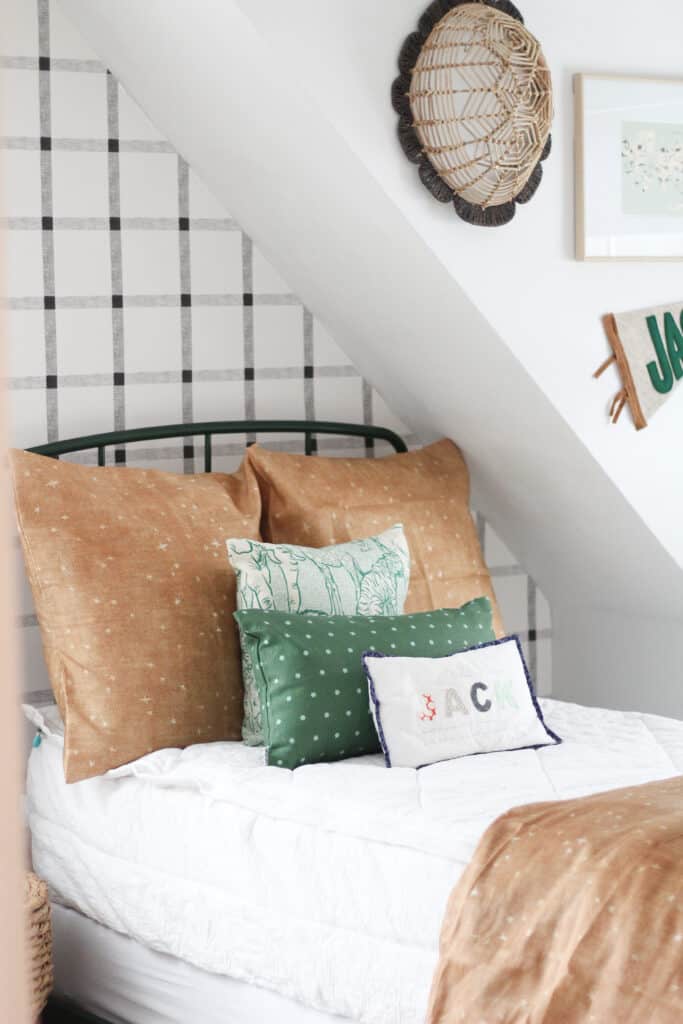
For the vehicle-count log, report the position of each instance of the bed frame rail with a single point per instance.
(309, 428)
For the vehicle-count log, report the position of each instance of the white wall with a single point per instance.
(245, 346)
(523, 277)
(452, 320)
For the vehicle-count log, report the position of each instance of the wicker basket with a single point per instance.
(474, 99)
(482, 103)
(39, 940)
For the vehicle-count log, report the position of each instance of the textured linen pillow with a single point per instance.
(472, 702)
(363, 577)
(314, 500)
(309, 672)
(134, 597)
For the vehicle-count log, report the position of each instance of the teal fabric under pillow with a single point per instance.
(309, 672)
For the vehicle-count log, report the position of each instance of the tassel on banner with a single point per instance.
(603, 366)
(618, 403)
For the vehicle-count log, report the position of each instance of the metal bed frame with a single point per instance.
(309, 428)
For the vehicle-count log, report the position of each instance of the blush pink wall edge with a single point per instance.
(13, 988)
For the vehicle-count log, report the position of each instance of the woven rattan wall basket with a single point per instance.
(474, 100)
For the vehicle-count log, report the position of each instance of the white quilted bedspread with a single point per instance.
(326, 884)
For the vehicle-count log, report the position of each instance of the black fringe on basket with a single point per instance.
(532, 184)
(430, 178)
(410, 51)
(410, 144)
(399, 95)
(491, 216)
(434, 13)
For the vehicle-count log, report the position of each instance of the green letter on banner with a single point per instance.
(674, 345)
(660, 373)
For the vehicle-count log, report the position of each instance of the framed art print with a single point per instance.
(629, 168)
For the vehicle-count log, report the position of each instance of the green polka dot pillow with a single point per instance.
(362, 577)
(310, 678)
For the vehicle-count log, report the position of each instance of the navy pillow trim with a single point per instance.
(375, 703)
(554, 738)
(532, 693)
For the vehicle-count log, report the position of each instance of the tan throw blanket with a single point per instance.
(570, 913)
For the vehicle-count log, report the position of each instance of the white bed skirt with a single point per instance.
(124, 982)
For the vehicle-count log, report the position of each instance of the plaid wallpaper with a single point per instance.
(135, 299)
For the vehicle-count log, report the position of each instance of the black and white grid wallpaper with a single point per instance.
(135, 299)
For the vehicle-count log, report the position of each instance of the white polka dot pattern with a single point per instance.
(134, 597)
(328, 501)
(571, 912)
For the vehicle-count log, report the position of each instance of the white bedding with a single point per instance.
(327, 884)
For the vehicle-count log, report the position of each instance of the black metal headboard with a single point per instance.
(309, 428)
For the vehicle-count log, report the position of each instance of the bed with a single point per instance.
(325, 886)
(201, 884)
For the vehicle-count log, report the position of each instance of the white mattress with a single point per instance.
(326, 884)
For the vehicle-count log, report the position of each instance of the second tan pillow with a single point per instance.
(319, 501)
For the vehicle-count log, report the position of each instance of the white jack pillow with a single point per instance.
(476, 701)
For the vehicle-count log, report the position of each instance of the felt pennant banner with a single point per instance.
(647, 346)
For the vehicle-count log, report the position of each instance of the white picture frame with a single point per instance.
(629, 167)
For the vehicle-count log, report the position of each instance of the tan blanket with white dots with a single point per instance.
(570, 913)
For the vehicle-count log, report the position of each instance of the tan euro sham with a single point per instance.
(319, 501)
(134, 596)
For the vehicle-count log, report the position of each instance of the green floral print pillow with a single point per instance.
(362, 577)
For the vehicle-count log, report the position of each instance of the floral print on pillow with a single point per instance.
(362, 577)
